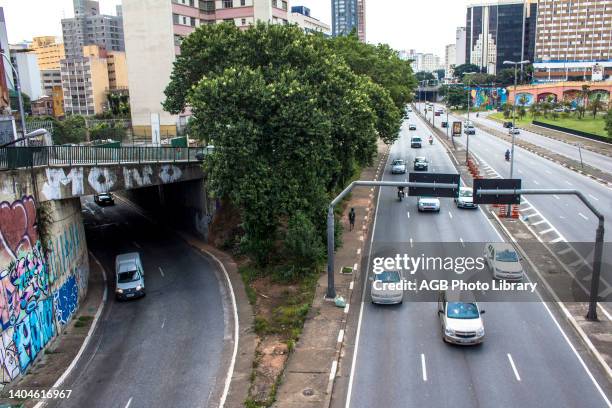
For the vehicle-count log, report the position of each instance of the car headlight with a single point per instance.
(119, 291)
(449, 332)
(138, 288)
(480, 332)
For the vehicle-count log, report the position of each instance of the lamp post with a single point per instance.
(18, 90)
(516, 64)
(467, 134)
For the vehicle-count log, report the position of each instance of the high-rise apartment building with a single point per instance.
(87, 80)
(48, 51)
(88, 27)
(460, 41)
(500, 31)
(449, 60)
(348, 15)
(26, 64)
(574, 40)
(154, 30)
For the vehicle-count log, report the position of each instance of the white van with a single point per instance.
(129, 276)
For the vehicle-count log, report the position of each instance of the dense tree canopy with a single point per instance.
(291, 116)
(460, 70)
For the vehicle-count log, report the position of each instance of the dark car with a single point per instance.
(421, 164)
(104, 199)
(507, 125)
(412, 126)
(444, 124)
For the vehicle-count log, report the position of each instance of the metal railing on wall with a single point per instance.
(23, 157)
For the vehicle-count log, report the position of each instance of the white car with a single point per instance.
(428, 204)
(387, 288)
(398, 166)
(465, 198)
(503, 261)
(514, 131)
(460, 319)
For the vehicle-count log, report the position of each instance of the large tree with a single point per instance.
(290, 120)
(460, 70)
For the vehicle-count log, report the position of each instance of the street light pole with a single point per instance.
(467, 134)
(19, 97)
(516, 64)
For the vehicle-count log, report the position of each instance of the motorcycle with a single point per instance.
(431, 140)
(507, 156)
(401, 194)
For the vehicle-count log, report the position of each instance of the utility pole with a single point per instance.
(516, 64)
(19, 96)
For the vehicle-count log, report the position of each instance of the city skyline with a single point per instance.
(407, 33)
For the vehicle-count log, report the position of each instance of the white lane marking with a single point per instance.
(163, 323)
(570, 184)
(136, 244)
(340, 335)
(546, 231)
(162, 272)
(536, 182)
(583, 216)
(556, 196)
(424, 367)
(565, 251)
(354, 266)
(358, 251)
(516, 374)
(593, 197)
(360, 318)
(538, 223)
(346, 308)
(554, 241)
(450, 214)
(128, 403)
(520, 171)
(351, 285)
(408, 214)
(462, 243)
(334, 367)
(410, 242)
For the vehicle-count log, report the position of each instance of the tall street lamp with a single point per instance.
(467, 133)
(18, 90)
(516, 64)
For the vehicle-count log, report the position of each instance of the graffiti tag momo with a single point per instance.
(29, 310)
(88, 180)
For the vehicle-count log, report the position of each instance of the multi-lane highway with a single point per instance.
(168, 349)
(530, 358)
(554, 218)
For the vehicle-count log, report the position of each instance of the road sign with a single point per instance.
(497, 184)
(456, 128)
(434, 178)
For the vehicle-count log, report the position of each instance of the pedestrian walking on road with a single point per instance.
(352, 219)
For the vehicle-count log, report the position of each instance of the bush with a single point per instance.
(104, 131)
(302, 242)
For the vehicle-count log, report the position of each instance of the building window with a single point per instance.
(243, 3)
(284, 5)
(228, 3)
(244, 21)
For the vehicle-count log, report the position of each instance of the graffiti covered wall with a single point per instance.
(40, 286)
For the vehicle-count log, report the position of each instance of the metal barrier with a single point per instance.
(22, 157)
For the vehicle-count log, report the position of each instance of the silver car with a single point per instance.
(460, 319)
(386, 288)
(503, 261)
(398, 166)
(428, 204)
(465, 198)
(129, 276)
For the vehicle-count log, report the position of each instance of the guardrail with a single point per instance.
(24, 157)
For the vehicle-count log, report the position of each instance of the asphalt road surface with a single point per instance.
(528, 358)
(163, 350)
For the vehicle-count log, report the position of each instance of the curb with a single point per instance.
(342, 333)
(58, 383)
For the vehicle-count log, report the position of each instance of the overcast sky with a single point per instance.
(426, 26)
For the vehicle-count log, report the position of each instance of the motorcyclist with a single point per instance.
(430, 139)
(400, 192)
(508, 155)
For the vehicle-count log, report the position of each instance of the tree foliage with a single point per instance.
(460, 70)
(71, 130)
(608, 120)
(291, 117)
(455, 95)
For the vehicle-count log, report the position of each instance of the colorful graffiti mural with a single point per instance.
(524, 99)
(488, 98)
(32, 309)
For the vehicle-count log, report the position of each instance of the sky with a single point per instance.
(426, 26)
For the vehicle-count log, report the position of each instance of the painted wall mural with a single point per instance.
(488, 98)
(32, 308)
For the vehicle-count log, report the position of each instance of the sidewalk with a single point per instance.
(63, 349)
(309, 376)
